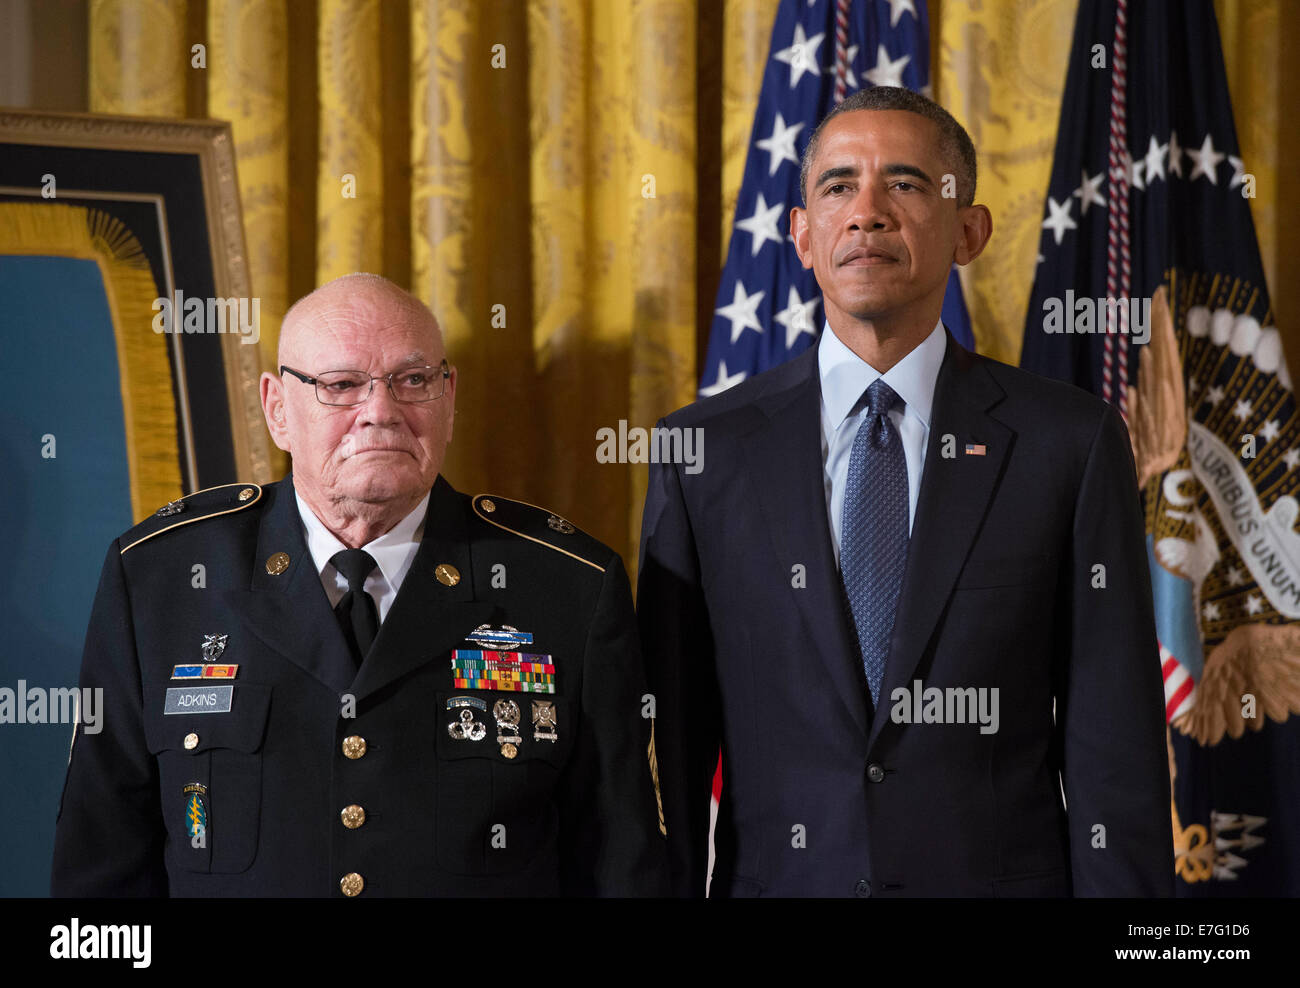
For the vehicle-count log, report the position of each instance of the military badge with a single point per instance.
(507, 637)
(465, 727)
(171, 508)
(507, 716)
(544, 721)
(196, 809)
(213, 646)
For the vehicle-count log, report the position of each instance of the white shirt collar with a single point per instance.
(393, 551)
(845, 375)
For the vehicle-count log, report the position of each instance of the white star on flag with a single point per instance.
(797, 317)
(1235, 576)
(1088, 191)
(780, 146)
(801, 56)
(1207, 161)
(1155, 160)
(1241, 410)
(723, 382)
(762, 225)
(1291, 458)
(1060, 220)
(1133, 170)
(1254, 604)
(1238, 171)
(1215, 395)
(887, 73)
(1211, 611)
(741, 312)
(1175, 155)
(897, 8)
(1270, 430)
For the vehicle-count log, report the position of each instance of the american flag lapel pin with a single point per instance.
(976, 449)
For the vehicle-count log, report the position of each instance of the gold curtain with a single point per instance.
(551, 176)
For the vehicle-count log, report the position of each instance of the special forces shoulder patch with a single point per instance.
(209, 503)
(196, 809)
(542, 526)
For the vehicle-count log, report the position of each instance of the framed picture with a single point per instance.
(124, 235)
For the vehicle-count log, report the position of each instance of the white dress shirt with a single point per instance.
(845, 378)
(393, 552)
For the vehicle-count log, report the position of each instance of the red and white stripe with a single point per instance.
(1180, 687)
(841, 49)
(1118, 268)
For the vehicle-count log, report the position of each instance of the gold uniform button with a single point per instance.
(351, 884)
(447, 574)
(277, 563)
(509, 750)
(488, 505)
(353, 816)
(354, 746)
(246, 493)
(191, 742)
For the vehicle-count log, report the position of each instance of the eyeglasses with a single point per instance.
(351, 387)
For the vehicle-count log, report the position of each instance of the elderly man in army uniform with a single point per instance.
(354, 703)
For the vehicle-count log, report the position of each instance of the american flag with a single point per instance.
(768, 306)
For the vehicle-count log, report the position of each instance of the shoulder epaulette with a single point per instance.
(540, 525)
(208, 503)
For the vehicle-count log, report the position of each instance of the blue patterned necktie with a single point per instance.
(873, 530)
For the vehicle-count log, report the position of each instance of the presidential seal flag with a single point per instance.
(1150, 293)
(768, 306)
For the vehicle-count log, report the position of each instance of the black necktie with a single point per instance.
(356, 612)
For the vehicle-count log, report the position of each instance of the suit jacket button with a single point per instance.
(875, 773)
(354, 746)
(863, 889)
(351, 884)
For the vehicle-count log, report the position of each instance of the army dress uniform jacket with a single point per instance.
(388, 780)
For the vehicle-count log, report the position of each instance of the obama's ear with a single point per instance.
(976, 226)
(799, 234)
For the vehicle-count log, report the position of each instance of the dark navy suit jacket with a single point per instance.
(750, 647)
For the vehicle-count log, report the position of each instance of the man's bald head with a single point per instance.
(345, 300)
(361, 467)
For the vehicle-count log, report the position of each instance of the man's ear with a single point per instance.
(976, 226)
(450, 397)
(272, 389)
(799, 233)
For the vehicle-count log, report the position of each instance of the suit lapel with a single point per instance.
(289, 610)
(954, 498)
(427, 618)
(783, 458)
